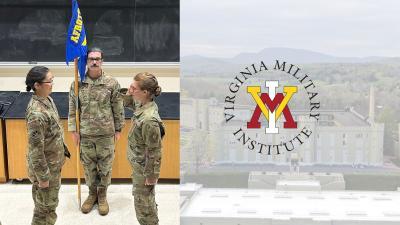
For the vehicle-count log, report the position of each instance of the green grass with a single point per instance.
(372, 182)
(220, 180)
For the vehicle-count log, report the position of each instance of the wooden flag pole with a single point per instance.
(78, 156)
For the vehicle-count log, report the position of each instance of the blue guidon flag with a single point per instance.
(76, 40)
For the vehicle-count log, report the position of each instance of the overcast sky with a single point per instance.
(225, 28)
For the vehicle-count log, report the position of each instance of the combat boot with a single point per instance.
(103, 204)
(89, 202)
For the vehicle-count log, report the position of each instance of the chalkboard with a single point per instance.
(7, 98)
(127, 30)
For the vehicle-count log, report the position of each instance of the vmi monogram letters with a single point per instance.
(273, 111)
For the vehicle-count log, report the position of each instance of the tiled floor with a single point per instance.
(16, 205)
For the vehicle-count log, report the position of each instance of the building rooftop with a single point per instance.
(263, 205)
(348, 118)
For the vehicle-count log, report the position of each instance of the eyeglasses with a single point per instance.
(95, 59)
(47, 82)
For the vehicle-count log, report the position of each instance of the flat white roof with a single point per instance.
(273, 204)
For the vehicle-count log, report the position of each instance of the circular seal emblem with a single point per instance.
(272, 109)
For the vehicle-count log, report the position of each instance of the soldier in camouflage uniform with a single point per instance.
(101, 121)
(144, 140)
(45, 156)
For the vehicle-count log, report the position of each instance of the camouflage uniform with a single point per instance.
(101, 115)
(144, 155)
(45, 157)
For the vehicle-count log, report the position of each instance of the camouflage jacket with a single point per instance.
(145, 139)
(101, 107)
(45, 139)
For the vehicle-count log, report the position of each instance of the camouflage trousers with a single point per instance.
(144, 197)
(46, 201)
(97, 156)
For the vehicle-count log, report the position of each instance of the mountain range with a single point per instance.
(197, 63)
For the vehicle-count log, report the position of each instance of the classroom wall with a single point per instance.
(12, 76)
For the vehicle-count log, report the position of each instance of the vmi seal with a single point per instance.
(272, 104)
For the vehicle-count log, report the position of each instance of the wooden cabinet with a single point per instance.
(3, 175)
(17, 144)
